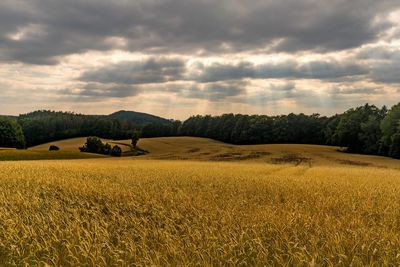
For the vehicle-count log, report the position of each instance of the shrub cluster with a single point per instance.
(95, 145)
(116, 151)
(54, 148)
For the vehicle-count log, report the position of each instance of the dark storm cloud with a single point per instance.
(153, 70)
(161, 70)
(75, 26)
(277, 92)
(379, 53)
(215, 91)
(386, 72)
(102, 91)
(237, 92)
(384, 62)
(355, 91)
(286, 87)
(289, 69)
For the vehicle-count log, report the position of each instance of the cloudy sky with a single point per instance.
(175, 58)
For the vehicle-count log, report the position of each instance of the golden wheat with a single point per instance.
(118, 212)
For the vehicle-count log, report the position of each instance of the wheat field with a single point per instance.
(120, 212)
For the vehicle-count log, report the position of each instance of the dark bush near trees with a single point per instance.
(95, 145)
(116, 151)
(54, 148)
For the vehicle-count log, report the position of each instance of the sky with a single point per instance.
(177, 58)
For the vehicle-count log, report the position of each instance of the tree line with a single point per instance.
(45, 126)
(366, 129)
(11, 134)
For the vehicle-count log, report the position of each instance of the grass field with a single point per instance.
(69, 149)
(18, 155)
(74, 144)
(202, 149)
(289, 205)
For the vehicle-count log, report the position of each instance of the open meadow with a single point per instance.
(285, 206)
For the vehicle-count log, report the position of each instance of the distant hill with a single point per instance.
(8, 116)
(137, 118)
(45, 126)
(131, 117)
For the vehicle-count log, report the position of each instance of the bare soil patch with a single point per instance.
(291, 159)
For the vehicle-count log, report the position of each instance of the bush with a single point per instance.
(95, 145)
(106, 149)
(116, 151)
(54, 148)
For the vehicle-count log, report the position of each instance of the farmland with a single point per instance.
(73, 144)
(194, 201)
(203, 149)
(18, 155)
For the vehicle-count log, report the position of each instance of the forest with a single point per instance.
(366, 129)
(45, 126)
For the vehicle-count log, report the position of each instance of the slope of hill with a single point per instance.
(73, 144)
(137, 118)
(191, 148)
(203, 149)
(263, 204)
(20, 155)
(8, 116)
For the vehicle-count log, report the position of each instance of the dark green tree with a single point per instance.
(389, 127)
(93, 145)
(349, 130)
(116, 151)
(370, 134)
(394, 150)
(241, 129)
(11, 134)
(135, 138)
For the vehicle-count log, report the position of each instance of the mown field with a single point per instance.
(295, 205)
